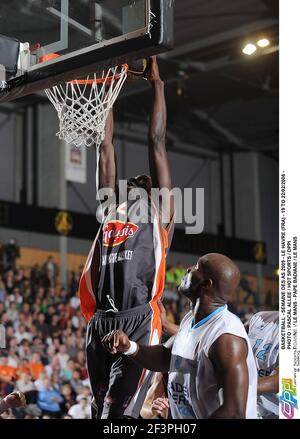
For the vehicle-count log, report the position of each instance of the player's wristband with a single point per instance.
(133, 348)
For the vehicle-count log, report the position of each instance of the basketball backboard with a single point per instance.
(46, 42)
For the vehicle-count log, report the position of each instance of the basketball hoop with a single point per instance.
(83, 105)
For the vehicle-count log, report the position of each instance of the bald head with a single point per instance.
(222, 271)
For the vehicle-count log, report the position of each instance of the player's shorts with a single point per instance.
(116, 380)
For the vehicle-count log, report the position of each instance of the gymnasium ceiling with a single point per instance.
(218, 99)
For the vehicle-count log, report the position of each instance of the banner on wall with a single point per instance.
(76, 164)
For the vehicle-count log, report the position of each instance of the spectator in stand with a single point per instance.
(12, 311)
(75, 301)
(22, 334)
(11, 253)
(86, 393)
(39, 382)
(68, 371)
(80, 410)
(35, 274)
(23, 367)
(69, 397)
(63, 357)
(54, 367)
(41, 325)
(19, 278)
(76, 319)
(24, 350)
(81, 364)
(7, 373)
(20, 321)
(25, 383)
(76, 382)
(54, 326)
(64, 295)
(38, 346)
(56, 380)
(9, 281)
(10, 339)
(13, 359)
(71, 347)
(26, 309)
(74, 282)
(56, 343)
(49, 399)
(36, 366)
(51, 269)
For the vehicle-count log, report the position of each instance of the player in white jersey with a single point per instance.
(212, 372)
(263, 331)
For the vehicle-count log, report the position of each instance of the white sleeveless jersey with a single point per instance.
(192, 385)
(264, 338)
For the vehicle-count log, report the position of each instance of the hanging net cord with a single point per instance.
(83, 106)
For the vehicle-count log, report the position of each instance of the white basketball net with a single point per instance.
(83, 108)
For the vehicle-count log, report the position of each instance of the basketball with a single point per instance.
(138, 69)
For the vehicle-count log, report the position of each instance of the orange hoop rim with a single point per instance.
(104, 80)
(108, 79)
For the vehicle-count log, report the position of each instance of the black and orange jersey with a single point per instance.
(129, 254)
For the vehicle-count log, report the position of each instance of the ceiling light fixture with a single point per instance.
(263, 42)
(249, 49)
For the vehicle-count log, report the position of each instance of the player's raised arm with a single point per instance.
(107, 169)
(158, 157)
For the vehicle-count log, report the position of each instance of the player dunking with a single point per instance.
(124, 274)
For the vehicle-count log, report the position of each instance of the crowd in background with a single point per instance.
(45, 338)
(45, 341)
